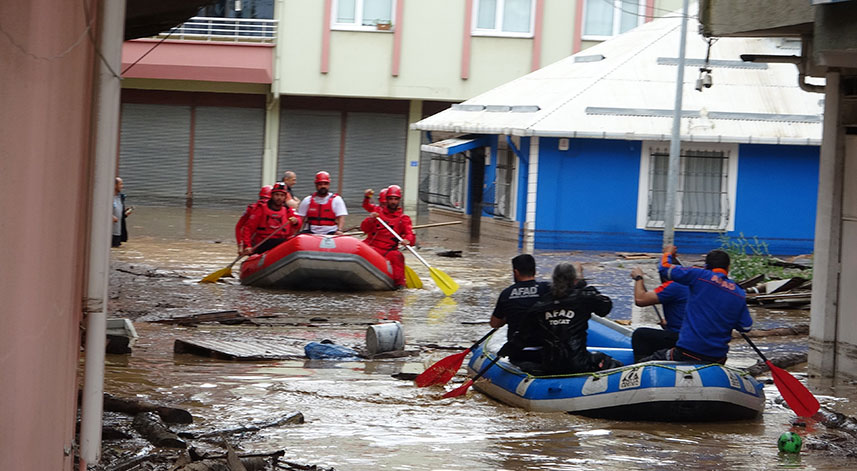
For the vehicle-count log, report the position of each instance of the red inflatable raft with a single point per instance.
(310, 261)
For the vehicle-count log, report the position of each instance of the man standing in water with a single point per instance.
(324, 211)
(120, 231)
(512, 306)
(291, 179)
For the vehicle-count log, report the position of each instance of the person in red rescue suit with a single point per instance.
(382, 240)
(367, 200)
(324, 211)
(273, 219)
(264, 196)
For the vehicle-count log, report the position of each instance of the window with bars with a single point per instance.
(444, 183)
(704, 190)
(498, 196)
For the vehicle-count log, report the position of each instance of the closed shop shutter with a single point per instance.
(153, 152)
(374, 155)
(309, 142)
(228, 150)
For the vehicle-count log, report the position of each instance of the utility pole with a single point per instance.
(675, 141)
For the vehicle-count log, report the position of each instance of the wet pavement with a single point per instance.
(359, 417)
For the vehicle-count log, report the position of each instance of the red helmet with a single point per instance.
(382, 196)
(322, 177)
(265, 192)
(394, 191)
(279, 187)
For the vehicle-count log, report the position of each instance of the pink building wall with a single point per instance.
(46, 72)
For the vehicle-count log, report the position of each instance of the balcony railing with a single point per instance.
(203, 28)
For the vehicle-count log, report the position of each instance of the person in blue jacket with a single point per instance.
(715, 307)
(673, 297)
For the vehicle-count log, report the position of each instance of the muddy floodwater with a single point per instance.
(358, 415)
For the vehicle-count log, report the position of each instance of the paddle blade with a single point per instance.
(459, 391)
(442, 371)
(412, 280)
(796, 395)
(213, 277)
(443, 281)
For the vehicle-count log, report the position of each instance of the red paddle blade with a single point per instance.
(442, 371)
(796, 395)
(459, 391)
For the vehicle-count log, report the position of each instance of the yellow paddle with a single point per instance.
(213, 277)
(441, 279)
(412, 280)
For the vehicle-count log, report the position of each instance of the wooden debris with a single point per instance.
(782, 361)
(450, 253)
(634, 256)
(800, 329)
(226, 317)
(751, 282)
(232, 458)
(136, 406)
(153, 429)
(246, 350)
(292, 418)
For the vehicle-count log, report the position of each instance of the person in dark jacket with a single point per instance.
(561, 319)
(512, 306)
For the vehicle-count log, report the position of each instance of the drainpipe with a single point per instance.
(801, 62)
(111, 21)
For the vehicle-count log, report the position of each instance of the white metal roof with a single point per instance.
(630, 94)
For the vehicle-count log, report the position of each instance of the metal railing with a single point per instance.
(203, 28)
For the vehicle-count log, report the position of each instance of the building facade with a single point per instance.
(232, 99)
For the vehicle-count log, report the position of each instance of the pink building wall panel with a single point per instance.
(44, 199)
(195, 60)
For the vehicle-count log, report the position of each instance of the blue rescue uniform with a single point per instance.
(716, 306)
(673, 298)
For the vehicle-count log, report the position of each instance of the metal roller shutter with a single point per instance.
(153, 152)
(227, 159)
(309, 142)
(374, 154)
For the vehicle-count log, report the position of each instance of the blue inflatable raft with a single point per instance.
(657, 391)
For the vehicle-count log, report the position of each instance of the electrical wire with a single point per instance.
(68, 50)
(172, 30)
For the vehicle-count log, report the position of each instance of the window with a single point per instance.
(498, 196)
(605, 18)
(705, 196)
(444, 182)
(362, 14)
(503, 17)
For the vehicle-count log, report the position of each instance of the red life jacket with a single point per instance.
(239, 227)
(269, 221)
(379, 237)
(321, 214)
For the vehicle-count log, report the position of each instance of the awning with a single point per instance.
(455, 145)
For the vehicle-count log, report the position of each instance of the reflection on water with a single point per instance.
(358, 417)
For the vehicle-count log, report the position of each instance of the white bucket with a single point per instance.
(385, 337)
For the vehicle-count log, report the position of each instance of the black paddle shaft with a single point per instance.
(482, 339)
(754, 346)
(485, 370)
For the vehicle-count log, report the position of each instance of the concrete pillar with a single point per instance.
(272, 141)
(825, 286)
(532, 187)
(412, 161)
